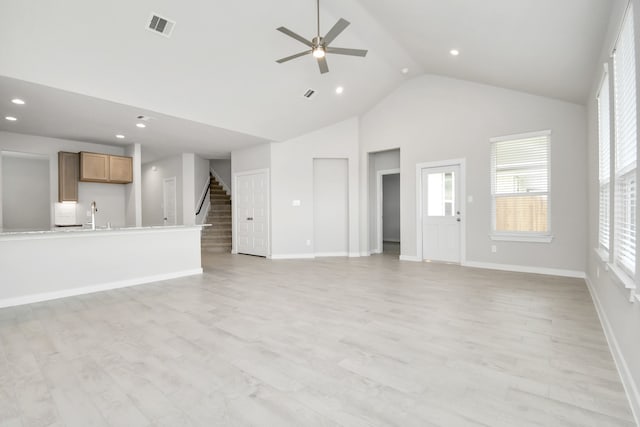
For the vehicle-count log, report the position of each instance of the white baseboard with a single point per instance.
(409, 258)
(623, 369)
(365, 253)
(47, 296)
(355, 255)
(525, 269)
(376, 251)
(292, 256)
(331, 254)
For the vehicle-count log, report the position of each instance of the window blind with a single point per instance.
(520, 184)
(604, 143)
(624, 78)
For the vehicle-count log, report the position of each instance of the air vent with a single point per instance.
(309, 93)
(160, 25)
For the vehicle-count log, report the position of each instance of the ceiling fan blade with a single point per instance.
(294, 35)
(297, 55)
(335, 31)
(322, 63)
(350, 52)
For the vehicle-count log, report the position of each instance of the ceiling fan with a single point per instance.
(320, 45)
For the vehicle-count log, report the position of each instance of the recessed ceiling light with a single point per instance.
(339, 90)
(11, 118)
(120, 136)
(17, 101)
(405, 70)
(141, 125)
(454, 52)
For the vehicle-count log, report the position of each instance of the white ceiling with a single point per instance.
(218, 68)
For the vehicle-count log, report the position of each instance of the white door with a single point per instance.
(441, 214)
(169, 201)
(251, 214)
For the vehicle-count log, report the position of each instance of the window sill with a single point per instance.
(521, 238)
(602, 254)
(621, 277)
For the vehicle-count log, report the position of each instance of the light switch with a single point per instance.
(295, 203)
(469, 199)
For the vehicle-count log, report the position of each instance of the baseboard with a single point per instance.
(365, 253)
(47, 296)
(355, 255)
(525, 269)
(409, 258)
(376, 251)
(293, 256)
(331, 254)
(623, 369)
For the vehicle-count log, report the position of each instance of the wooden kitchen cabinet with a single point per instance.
(120, 169)
(96, 167)
(68, 175)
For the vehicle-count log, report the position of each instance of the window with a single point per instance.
(624, 83)
(604, 170)
(520, 187)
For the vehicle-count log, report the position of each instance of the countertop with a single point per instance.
(87, 232)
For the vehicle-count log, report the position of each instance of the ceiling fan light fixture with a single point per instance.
(319, 52)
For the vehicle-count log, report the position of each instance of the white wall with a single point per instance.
(331, 207)
(152, 181)
(292, 179)
(109, 197)
(25, 192)
(620, 317)
(223, 169)
(434, 118)
(391, 208)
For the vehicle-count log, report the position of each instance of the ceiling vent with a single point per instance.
(309, 93)
(160, 25)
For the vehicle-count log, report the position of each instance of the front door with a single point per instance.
(251, 214)
(441, 214)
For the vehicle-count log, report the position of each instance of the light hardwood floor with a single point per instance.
(330, 342)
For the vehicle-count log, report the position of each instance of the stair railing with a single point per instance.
(204, 196)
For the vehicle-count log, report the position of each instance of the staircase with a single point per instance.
(217, 237)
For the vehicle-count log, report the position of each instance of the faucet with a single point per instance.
(94, 209)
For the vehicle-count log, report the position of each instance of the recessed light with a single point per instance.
(405, 70)
(339, 90)
(454, 52)
(11, 118)
(120, 136)
(141, 125)
(17, 101)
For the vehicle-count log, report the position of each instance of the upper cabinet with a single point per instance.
(68, 165)
(120, 169)
(95, 167)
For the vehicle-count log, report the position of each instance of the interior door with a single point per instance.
(169, 201)
(251, 214)
(441, 214)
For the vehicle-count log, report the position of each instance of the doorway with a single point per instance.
(440, 223)
(331, 207)
(388, 211)
(251, 212)
(169, 203)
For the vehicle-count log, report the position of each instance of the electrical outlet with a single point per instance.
(494, 249)
(88, 214)
(308, 242)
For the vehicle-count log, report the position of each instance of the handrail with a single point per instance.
(205, 196)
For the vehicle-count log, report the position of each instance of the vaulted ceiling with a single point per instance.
(218, 67)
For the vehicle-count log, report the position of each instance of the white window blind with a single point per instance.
(624, 79)
(520, 184)
(604, 143)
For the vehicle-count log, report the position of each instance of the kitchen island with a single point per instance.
(44, 265)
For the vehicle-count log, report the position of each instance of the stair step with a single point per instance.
(224, 250)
